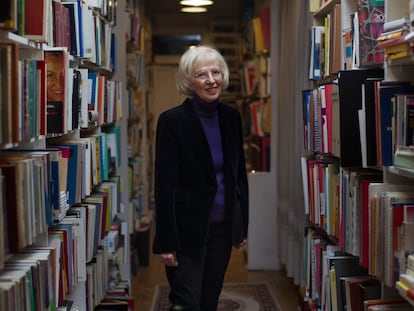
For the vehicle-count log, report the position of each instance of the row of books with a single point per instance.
(84, 27)
(370, 112)
(39, 185)
(255, 77)
(325, 53)
(364, 120)
(355, 207)
(257, 34)
(405, 284)
(321, 119)
(395, 40)
(82, 228)
(320, 180)
(334, 280)
(372, 220)
(44, 277)
(359, 41)
(48, 96)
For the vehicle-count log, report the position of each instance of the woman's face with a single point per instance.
(207, 81)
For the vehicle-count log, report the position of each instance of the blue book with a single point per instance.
(388, 89)
(92, 77)
(73, 8)
(73, 168)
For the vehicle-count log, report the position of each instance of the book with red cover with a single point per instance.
(36, 19)
(364, 187)
(363, 289)
(264, 15)
(65, 232)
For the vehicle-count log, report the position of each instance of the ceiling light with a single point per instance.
(193, 9)
(196, 2)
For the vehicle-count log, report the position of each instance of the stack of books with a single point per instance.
(394, 39)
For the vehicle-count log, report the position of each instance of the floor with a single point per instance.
(147, 277)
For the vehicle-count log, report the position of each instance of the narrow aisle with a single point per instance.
(143, 285)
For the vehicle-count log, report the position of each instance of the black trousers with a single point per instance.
(197, 281)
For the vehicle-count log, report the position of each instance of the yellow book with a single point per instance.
(397, 55)
(397, 48)
(258, 34)
(334, 297)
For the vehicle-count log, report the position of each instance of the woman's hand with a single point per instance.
(242, 244)
(169, 259)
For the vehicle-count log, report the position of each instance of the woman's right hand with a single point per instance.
(169, 259)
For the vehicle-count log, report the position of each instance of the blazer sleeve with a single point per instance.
(166, 235)
(242, 181)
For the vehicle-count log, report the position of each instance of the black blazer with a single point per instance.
(185, 179)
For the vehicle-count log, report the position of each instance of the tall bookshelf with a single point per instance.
(255, 76)
(56, 194)
(356, 164)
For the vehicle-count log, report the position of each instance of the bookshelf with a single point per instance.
(139, 142)
(67, 185)
(224, 35)
(356, 169)
(255, 103)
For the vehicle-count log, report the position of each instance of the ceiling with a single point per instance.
(166, 17)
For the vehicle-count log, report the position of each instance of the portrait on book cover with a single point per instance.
(56, 81)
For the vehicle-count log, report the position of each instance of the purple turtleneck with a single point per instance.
(207, 112)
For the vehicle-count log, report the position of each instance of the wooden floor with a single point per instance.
(143, 284)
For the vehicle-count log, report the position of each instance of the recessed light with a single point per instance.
(193, 9)
(196, 2)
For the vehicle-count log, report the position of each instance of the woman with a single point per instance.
(201, 191)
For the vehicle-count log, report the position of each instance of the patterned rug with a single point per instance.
(234, 297)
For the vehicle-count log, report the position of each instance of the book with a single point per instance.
(386, 305)
(265, 24)
(335, 40)
(57, 79)
(75, 162)
(387, 90)
(76, 98)
(9, 18)
(74, 26)
(344, 266)
(88, 35)
(42, 96)
(365, 217)
(9, 93)
(350, 101)
(377, 236)
(316, 48)
(371, 102)
(37, 20)
(370, 26)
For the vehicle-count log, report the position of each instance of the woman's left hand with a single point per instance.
(242, 244)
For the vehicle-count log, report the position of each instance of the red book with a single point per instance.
(363, 289)
(35, 19)
(364, 187)
(265, 21)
